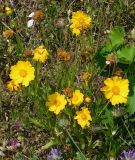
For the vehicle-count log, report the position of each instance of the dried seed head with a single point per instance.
(38, 15)
(68, 91)
(118, 72)
(63, 55)
(85, 76)
(60, 22)
(91, 50)
(8, 33)
(84, 57)
(27, 52)
(1, 6)
(110, 58)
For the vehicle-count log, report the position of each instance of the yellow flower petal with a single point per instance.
(116, 89)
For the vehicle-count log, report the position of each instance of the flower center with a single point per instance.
(84, 117)
(23, 73)
(81, 21)
(56, 102)
(41, 52)
(115, 90)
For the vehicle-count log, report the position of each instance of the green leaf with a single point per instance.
(19, 44)
(36, 122)
(126, 55)
(131, 103)
(107, 118)
(117, 36)
(49, 144)
(79, 156)
(107, 48)
(133, 34)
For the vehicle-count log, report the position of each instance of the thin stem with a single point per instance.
(128, 131)
(103, 108)
(126, 143)
(76, 144)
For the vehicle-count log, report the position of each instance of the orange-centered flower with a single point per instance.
(116, 90)
(83, 117)
(12, 86)
(40, 54)
(22, 72)
(56, 102)
(77, 98)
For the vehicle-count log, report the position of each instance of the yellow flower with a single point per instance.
(8, 33)
(88, 99)
(11, 85)
(56, 102)
(40, 54)
(83, 117)
(116, 90)
(77, 98)
(22, 72)
(8, 11)
(69, 101)
(80, 21)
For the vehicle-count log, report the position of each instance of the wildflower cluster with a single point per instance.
(67, 80)
(23, 72)
(57, 102)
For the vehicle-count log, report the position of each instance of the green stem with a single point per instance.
(76, 144)
(129, 132)
(37, 68)
(103, 109)
(126, 143)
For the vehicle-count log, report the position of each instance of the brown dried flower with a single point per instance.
(8, 33)
(118, 72)
(60, 22)
(84, 57)
(63, 55)
(38, 15)
(27, 52)
(110, 59)
(68, 91)
(85, 77)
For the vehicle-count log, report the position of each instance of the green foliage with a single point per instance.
(20, 45)
(116, 39)
(106, 49)
(126, 55)
(107, 118)
(79, 156)
(116, 36)
(132, 34)
(131, 103)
